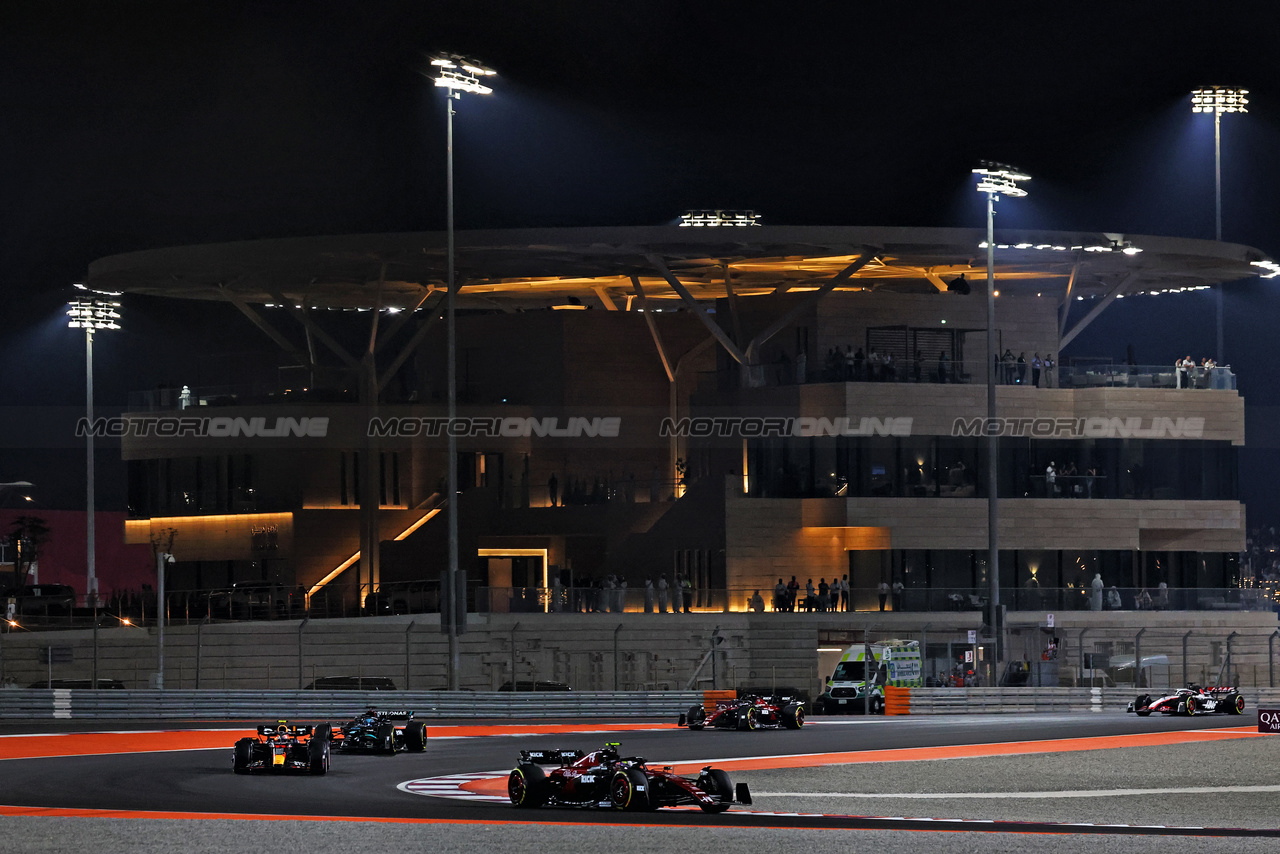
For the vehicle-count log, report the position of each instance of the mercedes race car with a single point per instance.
(388, 732)
(282, 747)
(605, 780)
(1192, 700)
(748, 712)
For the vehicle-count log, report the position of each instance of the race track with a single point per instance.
(1032, 775)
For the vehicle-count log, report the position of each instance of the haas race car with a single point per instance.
(282, 747)
(603, 779)
(748, 713)
(1192, 700)
(388, 732)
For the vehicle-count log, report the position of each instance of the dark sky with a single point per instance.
(132, 125)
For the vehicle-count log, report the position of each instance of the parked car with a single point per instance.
(50, 600)
(77, 684)
(533, 685)
(352, 683)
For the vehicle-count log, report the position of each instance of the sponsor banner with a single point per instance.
(1268, 720)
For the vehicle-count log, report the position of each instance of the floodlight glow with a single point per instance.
(715, 218)
(1219, 99)
(1272, 268)
(93, 314)
(459, 75)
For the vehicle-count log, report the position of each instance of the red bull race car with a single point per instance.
(1192, 700)
(747, 713)
(388, 731)
(605, 780)
(282, 747)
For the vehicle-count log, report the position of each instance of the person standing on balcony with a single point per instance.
(1050, 480)
(648, 595)
(1095, 598)
(844, 592)
(944, 367)
(677, 602)
(1036, 365)
(1050, 372)
(553, 488)
(884, 593)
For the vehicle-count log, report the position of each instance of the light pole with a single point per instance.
(455, 75)
(91, 314)
(1218, 100)
(995, 180)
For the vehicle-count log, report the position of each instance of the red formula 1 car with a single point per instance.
(603, 779)
(748, 712)
(1192, 700)
(282, 747)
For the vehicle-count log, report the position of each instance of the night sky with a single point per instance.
(134, 125)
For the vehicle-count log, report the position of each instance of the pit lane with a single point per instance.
(1224, 782)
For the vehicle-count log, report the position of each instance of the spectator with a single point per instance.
(687, 584)
(1036, 365)
(678, 595)
(810, 598)
(648, 595)
(757, 603)
(1113, 598)
(780, 596)
(1095, 598)
(844, 592)
(662, 593)
(793, 593)
(898, 588)
(884, 594)
(944, 367)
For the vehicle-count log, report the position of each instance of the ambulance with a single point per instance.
(893, 662)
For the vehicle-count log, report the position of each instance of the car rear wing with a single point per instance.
(284, 729)
(397, 713)
(551, 757)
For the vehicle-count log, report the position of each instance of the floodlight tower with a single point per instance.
(456, 75)
(1218, 100)
(996, 180)
(91, 313)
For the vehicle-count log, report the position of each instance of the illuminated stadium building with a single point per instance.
(696, 395)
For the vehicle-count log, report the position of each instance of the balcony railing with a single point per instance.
(269, 602)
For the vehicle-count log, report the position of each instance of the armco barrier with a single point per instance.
(961, 701)
(35, 704)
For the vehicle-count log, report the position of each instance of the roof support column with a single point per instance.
(713, 327)
(1095, 311)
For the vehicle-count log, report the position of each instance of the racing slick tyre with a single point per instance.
(1140, 705)
(322, 732)
(387, 738)
(629, 789)
(243, 756)
(527, 786)
(793, 716)
(747, 719)
(415, 736)
(1192, 706)
(717, 784)
(1233, 704)
(318, 756)
(697, 718)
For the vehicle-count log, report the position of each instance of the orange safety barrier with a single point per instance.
(897, 701)
(709, 698)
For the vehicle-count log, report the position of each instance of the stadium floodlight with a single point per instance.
(91, 313)
(1218, 100)
(995, 180)
(715, 218)
(456, 74)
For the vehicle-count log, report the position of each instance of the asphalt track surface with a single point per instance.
(1017, 783)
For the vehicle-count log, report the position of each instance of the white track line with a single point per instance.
(1086, 793)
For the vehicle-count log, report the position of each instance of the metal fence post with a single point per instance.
(1080, 643)
(408, 629)
(301, 626)
(1137, 658)
(1184, 656)
(1271, 659)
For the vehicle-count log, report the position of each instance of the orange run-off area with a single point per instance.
(82, 744)
(921, 754)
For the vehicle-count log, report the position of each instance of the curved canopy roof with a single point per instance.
(537, 268)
